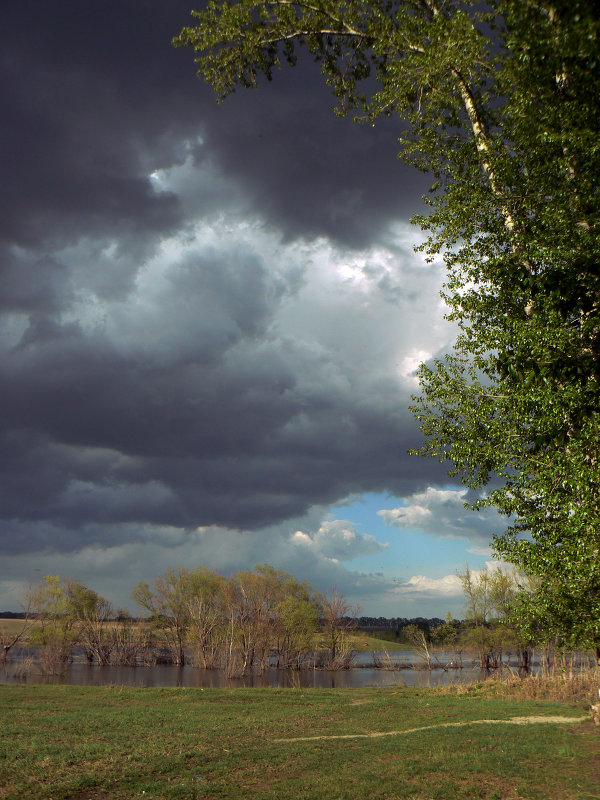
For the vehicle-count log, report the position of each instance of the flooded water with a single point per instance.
(361, 675)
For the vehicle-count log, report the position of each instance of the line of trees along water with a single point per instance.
(262, 618)
(241, 622)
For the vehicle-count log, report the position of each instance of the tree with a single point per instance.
(240, 620)
(207, 617)
(339, 619)
(51, 603)
(168, 605)
(93, 615)
(419, 640)
(297, 620)
(269, 611)
(8, 640)
(517, 403)
(68, 613)
(445, 634)
(130, 642)
(251, 608)
(489, 598)
(502, 104)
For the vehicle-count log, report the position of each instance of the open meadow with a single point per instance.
(83, 743)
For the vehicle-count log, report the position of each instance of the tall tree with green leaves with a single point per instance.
(168, 604)
(489, 598)
(502, 104)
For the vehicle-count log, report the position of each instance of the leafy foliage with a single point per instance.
(69, 613)
(241, 619)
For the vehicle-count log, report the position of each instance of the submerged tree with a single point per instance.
(339, 619)
(269, 612)
(502, 102)
(238, 622)
(94, 615)
(168, 606)
(489, 600)
(68, 613)
(10, 639)
(207, 617)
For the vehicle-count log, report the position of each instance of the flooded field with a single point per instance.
(408, 671)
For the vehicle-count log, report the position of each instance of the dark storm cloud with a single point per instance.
(95, 98)
(78, 126)
(153, 373)
(91, 435)
(311, 172)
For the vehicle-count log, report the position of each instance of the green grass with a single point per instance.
(362, 642)
(88, 743)
(10, 627)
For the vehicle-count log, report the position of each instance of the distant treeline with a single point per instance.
(385, 623)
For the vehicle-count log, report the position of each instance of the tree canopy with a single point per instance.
(502, 105)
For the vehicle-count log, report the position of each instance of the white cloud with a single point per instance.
(447, 586)
(338, 540)
(442, 513)
(412, 361)
(425, 591)
(313, 549)
(410, 517)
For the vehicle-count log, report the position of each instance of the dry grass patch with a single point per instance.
(577, 687)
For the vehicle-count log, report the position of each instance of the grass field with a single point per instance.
(88, 743)
(11, 627)
(363, 643)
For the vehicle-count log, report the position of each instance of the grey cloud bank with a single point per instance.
(208, 314)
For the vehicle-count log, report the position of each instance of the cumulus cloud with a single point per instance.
(442, 513)
(446, 586)
(234, 384)
(427, 594)
(339, 541)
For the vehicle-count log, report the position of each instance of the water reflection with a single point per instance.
(81, 674)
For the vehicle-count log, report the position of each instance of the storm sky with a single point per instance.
(210, 318)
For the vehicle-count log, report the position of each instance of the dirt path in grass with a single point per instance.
(512, 721)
